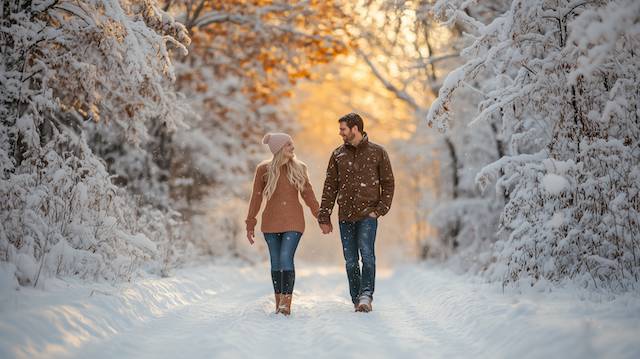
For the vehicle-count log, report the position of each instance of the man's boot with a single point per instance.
(364, 304)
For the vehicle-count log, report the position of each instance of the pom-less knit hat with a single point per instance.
(276, 141)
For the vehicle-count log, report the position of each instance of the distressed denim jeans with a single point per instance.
(358, 239)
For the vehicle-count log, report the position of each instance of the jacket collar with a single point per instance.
(362, 144)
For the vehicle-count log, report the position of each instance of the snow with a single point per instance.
(567, 208)
(141, 241)
(556, 220)
(8, 280)
(226, 311)
(554, 184)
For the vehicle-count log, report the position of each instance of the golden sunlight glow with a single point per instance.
(349, 86)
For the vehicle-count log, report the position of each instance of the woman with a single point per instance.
(279, 180)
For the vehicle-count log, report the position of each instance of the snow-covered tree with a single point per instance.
(560, 77)
(410, 54)
(65, 64)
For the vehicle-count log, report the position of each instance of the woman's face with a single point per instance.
(288, 150)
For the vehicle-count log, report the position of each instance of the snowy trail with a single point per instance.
(219, 311)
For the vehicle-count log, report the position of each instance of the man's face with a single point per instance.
(347, 134)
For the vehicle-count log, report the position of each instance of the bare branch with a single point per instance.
(402, 95)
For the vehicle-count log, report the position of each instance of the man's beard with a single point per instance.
(348, 138)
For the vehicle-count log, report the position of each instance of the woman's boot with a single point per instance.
(278, 296)
(288, 280)
(285, 304)
(276, 279)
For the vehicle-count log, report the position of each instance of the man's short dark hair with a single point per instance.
(353, 119)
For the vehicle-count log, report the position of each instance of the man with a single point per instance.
(359, 175)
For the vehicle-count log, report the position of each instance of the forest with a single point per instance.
(130, 129)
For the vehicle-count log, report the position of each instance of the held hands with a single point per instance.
(250, 235)
(326, 228)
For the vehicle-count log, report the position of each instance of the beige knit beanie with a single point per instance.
(276, 141)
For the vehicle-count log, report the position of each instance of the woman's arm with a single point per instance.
(256, 199)
(309, 198)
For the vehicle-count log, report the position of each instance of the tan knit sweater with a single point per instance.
(283, 211)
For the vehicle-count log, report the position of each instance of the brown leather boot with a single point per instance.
(364, 304)
(285, 304)
(278, 296)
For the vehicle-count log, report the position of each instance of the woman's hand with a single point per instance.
(326, 228)
(250, 235)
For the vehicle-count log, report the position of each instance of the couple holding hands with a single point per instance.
(359, 177)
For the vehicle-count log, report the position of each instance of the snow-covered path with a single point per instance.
(220, 311)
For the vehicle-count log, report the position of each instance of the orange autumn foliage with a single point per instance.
(270, 45)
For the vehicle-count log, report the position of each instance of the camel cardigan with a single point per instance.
(283, 211)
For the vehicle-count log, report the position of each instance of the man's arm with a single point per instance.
(329, 192)
(387, 185)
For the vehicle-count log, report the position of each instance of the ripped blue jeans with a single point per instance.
(358, 240)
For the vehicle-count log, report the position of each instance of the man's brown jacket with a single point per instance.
(361, 179)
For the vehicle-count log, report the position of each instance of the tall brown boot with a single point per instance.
(278, 300)
(285, 304)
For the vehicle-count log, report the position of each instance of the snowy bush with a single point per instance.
(561, 78)
(62, 216)
(65, 63)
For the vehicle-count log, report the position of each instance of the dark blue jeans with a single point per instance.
(358, 239)
(282, 248)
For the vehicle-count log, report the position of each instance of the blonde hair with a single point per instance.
(296, 173)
